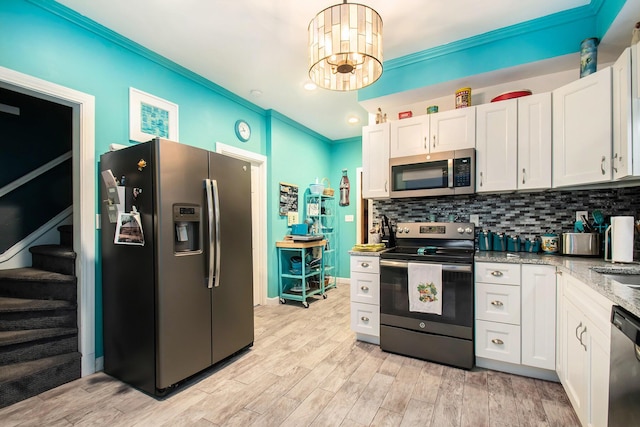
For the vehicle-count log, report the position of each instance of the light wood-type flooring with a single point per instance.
(306, 369)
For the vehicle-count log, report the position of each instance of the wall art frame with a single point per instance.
(151, 117)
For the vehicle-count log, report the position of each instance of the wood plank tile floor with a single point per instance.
(306, 369)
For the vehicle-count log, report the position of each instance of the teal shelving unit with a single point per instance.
(308, 280)
(321, 209)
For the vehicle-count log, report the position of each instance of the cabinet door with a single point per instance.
(409, 136)
(582, 131)
(538, 290)
(598, 346)
(497, 146)
(375, 161)
(534, 141)
(622, 123)
(453, 129)
(575, 379)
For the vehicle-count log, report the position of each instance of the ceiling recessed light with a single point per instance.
(310, 86)
(255, 92)
(353, 120)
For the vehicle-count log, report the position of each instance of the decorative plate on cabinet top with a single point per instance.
(511, 95)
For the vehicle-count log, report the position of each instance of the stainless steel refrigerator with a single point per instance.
(177, 291)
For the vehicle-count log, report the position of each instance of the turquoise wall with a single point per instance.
(296, 157)
(345, 154)
(44, 39)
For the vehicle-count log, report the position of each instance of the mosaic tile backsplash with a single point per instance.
(523, 214)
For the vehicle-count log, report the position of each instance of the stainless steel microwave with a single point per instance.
(436, 174)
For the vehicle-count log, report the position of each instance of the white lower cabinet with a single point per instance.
(365, 298)
(515, 318)
(584, 338)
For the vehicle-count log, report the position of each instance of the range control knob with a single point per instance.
(460, 230)
(468, 230)
(406, 229)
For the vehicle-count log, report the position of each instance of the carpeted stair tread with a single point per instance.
(8, 305)
(53, 250)
(18, 337)
(30, 274)
(18, 370)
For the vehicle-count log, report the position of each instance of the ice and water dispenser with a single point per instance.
(186, 221)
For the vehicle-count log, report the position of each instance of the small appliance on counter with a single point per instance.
(619, 236)
(584, 244)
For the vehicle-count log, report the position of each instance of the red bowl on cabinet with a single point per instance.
(511, 95)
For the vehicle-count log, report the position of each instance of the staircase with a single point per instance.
(38, 322)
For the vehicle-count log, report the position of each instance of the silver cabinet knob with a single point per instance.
(497, 341)
(364, 288)
(497, 303)
(496, 273)
(364, 264)
(364, 319)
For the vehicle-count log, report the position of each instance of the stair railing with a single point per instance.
(44, 228)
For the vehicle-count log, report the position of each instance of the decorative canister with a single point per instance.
(588, 56)
(499, 242)
(513, 243)
(463, 97)
(549, 243)
(432, 109)
(485, 240)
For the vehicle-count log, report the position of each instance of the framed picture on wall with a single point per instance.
(150, 117)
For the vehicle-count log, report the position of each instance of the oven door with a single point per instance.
(457, 300)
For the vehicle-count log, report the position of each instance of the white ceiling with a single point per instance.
(245, 45)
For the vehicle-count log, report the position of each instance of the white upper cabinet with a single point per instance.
(453, 129)
(375, 161)
(582, 131)
(622, 165)
(534, 141)
(497, 146)
(409, 136)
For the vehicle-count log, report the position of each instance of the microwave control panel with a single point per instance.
(462, 172)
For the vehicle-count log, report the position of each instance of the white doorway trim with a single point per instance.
(260, 162)
(84, 196)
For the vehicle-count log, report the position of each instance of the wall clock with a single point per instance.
(243, 130)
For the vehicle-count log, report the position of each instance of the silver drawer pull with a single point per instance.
(497, 341)
(364, 264)
(364, 288)
(497, 303)
(496, 273)
(364, 319)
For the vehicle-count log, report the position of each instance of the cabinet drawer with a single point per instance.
(365, 264)
(365, 318)
(365, 288)
(498, 341)
(498, 303)
(504, 274)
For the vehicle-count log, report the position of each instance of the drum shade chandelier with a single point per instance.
(345, 47)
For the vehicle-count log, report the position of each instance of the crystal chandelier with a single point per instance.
(345, 47)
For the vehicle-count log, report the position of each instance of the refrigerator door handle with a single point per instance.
(216, 211)
(210, 217)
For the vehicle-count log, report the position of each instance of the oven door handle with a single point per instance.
(445, 267)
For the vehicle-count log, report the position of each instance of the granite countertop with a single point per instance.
(578, 267)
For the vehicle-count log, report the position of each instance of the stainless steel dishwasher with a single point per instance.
(624, 377)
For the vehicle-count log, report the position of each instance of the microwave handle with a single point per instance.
(450, 174)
